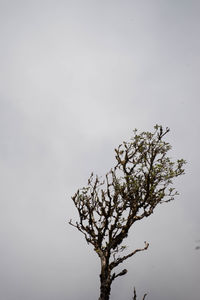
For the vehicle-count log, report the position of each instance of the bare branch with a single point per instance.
(135, 295)
(114, 276)
(120, 260)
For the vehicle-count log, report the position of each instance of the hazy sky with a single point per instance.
(76, 77)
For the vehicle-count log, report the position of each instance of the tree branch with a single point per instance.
(121, 259)
(114, 276)
(135, 295)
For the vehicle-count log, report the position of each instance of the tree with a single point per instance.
(141, 179)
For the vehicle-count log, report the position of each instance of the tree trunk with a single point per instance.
(105, 281)
(105, 287)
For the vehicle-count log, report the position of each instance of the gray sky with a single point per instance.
(76, 77)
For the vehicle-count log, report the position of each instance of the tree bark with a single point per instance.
(105, 281)
(105, 289)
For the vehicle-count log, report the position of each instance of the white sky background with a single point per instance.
(75, 78)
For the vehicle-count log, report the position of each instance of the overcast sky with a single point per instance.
(76, 77)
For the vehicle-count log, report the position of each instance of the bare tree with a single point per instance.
(107, 208)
